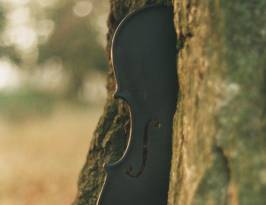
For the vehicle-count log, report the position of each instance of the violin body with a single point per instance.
(144, 59)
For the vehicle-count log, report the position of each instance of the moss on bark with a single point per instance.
(219, 141)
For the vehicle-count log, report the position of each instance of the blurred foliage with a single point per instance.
(71, 40)
(7, 51)
(25, 102)
(2, 18)
(75, 42)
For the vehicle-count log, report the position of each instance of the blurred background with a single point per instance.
(52, 90)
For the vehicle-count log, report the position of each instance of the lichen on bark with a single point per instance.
(219, 141)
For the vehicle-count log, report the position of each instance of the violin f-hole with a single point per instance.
(129, 172)
(144, 57)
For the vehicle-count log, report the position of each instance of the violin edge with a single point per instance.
(118, 95)
(116, 34)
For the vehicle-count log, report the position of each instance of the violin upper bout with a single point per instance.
(144, 61)
(144, 47)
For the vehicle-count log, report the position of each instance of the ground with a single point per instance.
(41, 157)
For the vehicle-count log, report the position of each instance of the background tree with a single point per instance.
(219, 127)
(75, 41)
(6, 50)
(34, 33)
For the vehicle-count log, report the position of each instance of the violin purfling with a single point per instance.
(144, 58)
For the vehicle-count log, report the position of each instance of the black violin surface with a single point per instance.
(144, 59)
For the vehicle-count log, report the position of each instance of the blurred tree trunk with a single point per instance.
(219, 137)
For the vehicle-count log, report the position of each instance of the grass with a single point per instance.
(25, 102)
(41, 157)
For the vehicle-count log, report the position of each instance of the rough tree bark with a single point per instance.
(219, 154)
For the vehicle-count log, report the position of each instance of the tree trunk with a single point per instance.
(219, 137)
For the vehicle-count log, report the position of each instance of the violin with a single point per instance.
(144, 58)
